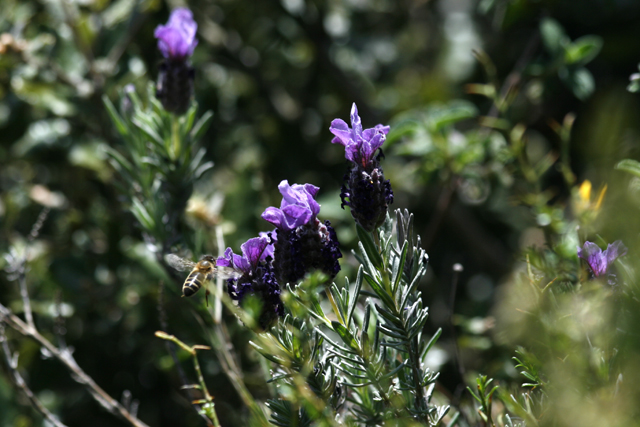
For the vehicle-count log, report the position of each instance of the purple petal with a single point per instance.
(176, 40)
(360, 145)
(296, 216)
(342, 132)
(311, 189)
(356, 123)
(613, 251)
(594, 256)
(226, 260)
(253, 250)
(275, 216)
(269, 236)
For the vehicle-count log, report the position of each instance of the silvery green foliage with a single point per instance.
(158, 163)
(367, 366)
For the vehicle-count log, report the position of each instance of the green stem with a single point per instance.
(174, 149)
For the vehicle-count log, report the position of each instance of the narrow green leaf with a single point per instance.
(389, 317)
(380, 292)
(201, 126)
(146, 128)
(431, 343)
(629, 165)
(385, 330)
(397, 274)
(355, 295)
(189, 118)
(336, 345)
(120, 124)
(369, 246)
(346, 335)
(142, 215)
(474, 395)
(119, 161)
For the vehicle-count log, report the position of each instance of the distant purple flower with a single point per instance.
(600, 261)
(176, 42)
(301, 242)
(298, 206)
(177, 39)
(258, 278)
(365, 190)
(359, 145)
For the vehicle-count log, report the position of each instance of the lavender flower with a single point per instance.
(176, 42)
(177, 39)
(258, 278)
(365, 191)
(302, 243)
(600, 261)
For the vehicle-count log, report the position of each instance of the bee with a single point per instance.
(201, 272)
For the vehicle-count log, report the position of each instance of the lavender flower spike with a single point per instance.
(258, 278)
(301, 242)
(177, 39)
(365, 190)
(176, 42)
(600, 261)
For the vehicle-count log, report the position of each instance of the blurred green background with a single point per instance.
(275, 73)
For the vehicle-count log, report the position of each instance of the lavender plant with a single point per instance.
(364, 358)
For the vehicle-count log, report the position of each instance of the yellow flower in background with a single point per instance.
(583, 201)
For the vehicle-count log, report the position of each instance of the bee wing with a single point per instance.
(178, 263)
(226, 273)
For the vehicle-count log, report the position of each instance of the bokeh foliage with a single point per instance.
(488, 152)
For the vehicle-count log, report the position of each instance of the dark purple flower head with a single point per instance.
(298, 206)
(600, 261)
(360, 145)
(177, 39)
(258, 278)
(301, 242)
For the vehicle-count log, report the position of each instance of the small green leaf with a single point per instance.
(369, 246)
(553, 36)
(630, 166)
(579, 80)
(453, 112)
(583, 50)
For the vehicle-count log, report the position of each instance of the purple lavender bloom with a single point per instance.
(600, 261)
(359, 145)
(365, 190)
(176, 42)
(301, 242)
(177, 39)
(298, 206)
(258, 278)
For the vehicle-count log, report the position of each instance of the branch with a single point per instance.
(64, 356)
(12, 364)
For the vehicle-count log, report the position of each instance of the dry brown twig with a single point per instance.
(17, 271)
(12, 365)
